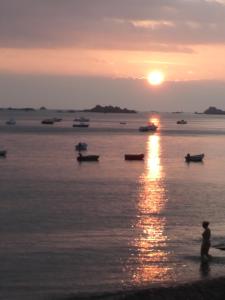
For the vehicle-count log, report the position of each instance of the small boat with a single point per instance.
(3, 153)
(194, 158)
(10, 122)
(57, 119)
(149, 127)
(220, 247)
(123, 123)
(48, 121)
(87, 157)
(80, 125)
(81, 119)
(81, 147)
(134, 156)
(181, 122)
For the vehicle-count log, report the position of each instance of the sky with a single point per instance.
(79, 53)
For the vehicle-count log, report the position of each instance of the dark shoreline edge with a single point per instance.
(208, 289)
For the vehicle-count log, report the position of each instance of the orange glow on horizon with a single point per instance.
(115, 63)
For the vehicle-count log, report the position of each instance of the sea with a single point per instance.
(70, 229)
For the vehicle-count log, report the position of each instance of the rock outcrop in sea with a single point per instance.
(110, 109)
(212, 110)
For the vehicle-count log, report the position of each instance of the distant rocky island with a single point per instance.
(212, 110)
(110, 109)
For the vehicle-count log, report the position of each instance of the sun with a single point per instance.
(156, 77)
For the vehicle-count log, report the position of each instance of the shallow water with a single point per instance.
(70, 228)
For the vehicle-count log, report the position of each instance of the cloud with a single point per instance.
(157, 25)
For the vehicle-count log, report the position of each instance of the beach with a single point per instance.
(201, 290)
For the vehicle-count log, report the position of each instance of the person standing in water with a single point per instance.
(206, 235)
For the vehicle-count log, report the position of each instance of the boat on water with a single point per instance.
(81, 124)
(134, 156)
(181, 122)
(48, 121)
(82, 119)
(3, 153)
(194, 158)
(149, 127)
(10, 122)
(87, 157)
(57, 119)
(81, 147)
(123, 123)
(220, 247)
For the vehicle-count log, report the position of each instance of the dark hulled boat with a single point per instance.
(47, 121)
(80, 125)
(194, 158)
(87, 158)
(181, 122)
(134, 156)
(3, 153)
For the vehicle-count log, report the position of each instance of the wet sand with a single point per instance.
(209, 289)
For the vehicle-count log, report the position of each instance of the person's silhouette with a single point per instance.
(206, 235)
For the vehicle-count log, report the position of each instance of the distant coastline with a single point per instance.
(110, 109)
(211, 110)
(19, 109)
(97, 109)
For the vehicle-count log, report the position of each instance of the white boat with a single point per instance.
(149, 127)
(10, 122)
(81, 147)
(82, 119)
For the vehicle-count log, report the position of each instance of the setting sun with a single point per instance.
(155, 77)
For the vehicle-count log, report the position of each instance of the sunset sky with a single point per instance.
(78, 53)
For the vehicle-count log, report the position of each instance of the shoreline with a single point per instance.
(205, 289)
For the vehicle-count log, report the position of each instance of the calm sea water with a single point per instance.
(70, 228)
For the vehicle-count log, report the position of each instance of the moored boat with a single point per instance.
(48, 121)
(80, 125)
(81, 147)
(149, 127)
(3, 153)
(220, 246)
(87, 157)
(181, 122)
(57, 119)
(81, 119)
(194, 158)
(134, 156)
(10, 122)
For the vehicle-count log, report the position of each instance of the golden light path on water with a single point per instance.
(151, 241)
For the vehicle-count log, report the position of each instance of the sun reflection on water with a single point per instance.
(154, 120)
(151, 254)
